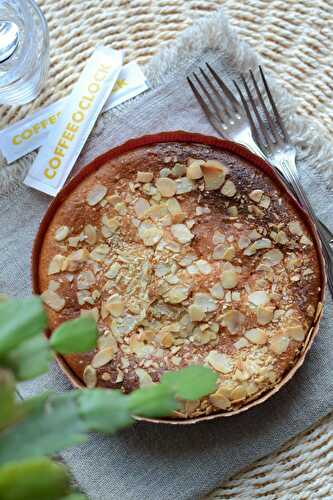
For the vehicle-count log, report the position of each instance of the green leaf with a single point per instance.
(52, 425)
(192, 382)
(19, 321)
(77, 335)
(75, 496)
(30, 359)
(153, 401)
(104, 410)
(7, 398)
(37, 479)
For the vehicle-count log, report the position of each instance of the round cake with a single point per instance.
(185, 254)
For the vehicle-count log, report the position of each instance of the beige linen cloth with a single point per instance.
(295, 40)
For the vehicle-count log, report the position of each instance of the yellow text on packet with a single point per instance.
(35, 129)
(78, 116)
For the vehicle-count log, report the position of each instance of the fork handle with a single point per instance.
(303, 198)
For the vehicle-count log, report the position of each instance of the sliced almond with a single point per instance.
(259, 298)
(241, 343)
(273, 257)
(232, 211)
(205, 301)
(102, 357)
(238, 393)
(100, 252)
(194, 169)
(279, 344)
(296, 332)
(224, 252)
(177, 294)
(306, 241)
(61, 233)
(108, 340)
(214, 174)
(196, 312)
(229, 278)
(96, 194)
(90, 377)
(115, 305)
(144, 378)
(85, 280)
(282, 238)
(113, 271)
(56, 265)
(228, 189)
(167, 187)
(254, 235)
(181, 233)
(262, 243)
(265, 315)
(91, 234)
(256, 195)
(233, 320)
(175, 210)
(203, 266)
(295, 228)
(256, 336)
(144, 177)
(218, 238)
(220, 362)
(166, 340)
(184, 185)
(178, 170)
(244, 241)
(265, 201)
(53, 300)
(217, 291)
(220, 400)
(150, 235)
(140, 207)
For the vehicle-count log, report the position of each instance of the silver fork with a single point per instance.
(232, 120)
(273, 139)
(229, 119)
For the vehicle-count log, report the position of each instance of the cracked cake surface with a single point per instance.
(184, 254)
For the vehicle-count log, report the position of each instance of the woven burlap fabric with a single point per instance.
(293, 39)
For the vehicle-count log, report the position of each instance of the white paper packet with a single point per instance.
(30, 133)
(62, 148)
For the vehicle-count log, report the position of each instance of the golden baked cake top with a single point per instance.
(184, 254)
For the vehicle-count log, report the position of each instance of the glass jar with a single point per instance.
(24, 73)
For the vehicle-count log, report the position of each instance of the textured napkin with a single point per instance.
(156, 461)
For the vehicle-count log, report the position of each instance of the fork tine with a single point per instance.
(274, 108)
(248, 113)
(235, 104)
(205, 108)
(209, 97)
(218, 95)
(271, 124)
(261, 124)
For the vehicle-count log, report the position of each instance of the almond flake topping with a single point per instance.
(53, 300)
(256, 336)
(229, 189)
(220, 362)
(96, 194)
(167, 187)
(174, 278)
(181, 233)
(194, 171)
(61, 233)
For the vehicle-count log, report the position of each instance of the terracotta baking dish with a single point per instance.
(188, 138)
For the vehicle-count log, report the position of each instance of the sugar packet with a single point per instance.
(61, 149)
(29, 134)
